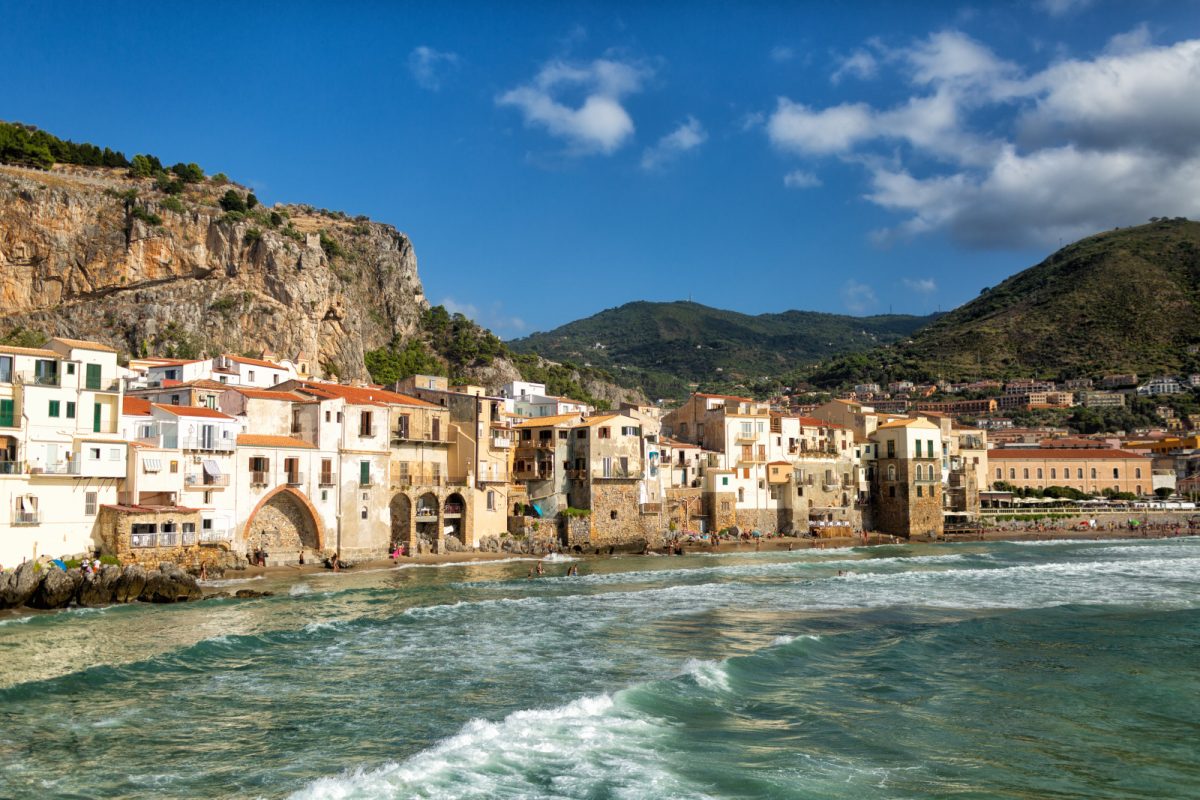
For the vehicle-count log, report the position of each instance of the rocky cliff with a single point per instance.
(94, 254)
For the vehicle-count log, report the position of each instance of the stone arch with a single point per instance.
(454, 514)
(401, 510)
(286, 521)
(429, 520)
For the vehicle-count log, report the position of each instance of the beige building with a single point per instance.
(907, 478)
(1088, 470)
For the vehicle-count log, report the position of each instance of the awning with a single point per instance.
(211, 468)
(537, 509)
(151, 464)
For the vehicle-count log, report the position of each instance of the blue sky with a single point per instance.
(550, 160)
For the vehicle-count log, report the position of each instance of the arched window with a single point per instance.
(1079, 473)
(1137, 473)
(1053, 473)
(999, 473)
(1012, 474)
(891, 472)
(741, 495)
(1039, 472)
(1093, 473)
(1116, 472)
(1139, 488)
(1025, 473)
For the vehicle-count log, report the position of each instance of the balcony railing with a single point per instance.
(168, 539)
(215, 535)
(12, 467)
(406, 479)
(617, 473)
(27, 518)
(295, 478)
(35, 379)
(57, 468)
(258, 478)
(453, 509)
(501, 442)
(326, 479)
(651, 508)
(419, 437)
(426, 512)
(214, 444)
(143, 540)
(202, 480)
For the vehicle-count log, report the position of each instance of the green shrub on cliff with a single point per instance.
(394, 362)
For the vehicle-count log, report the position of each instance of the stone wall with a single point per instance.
(905, 512)
(116, 527)
(617, 519)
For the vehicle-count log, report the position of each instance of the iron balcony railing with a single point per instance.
(57, 468)
(295, 478)
(12, 467)
(204, 481)
(404, 435)
(213, 444)
(214, 535)
(27, 518)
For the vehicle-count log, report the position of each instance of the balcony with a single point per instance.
(215, 535)
(501, 442)
(406, 436)
(745, 438)
(295, 478)
(12, 467)
(211, 444)
(326, 479)
(616, 473)
(577, 474)
(258, 479)
(39, 379)
(650, 508)
(27, 518)
(407, 479)
(426, 514)
(57, 468)
(530, 474)
(202, 480)
(453, 510)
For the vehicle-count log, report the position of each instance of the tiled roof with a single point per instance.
(192, 411)
(907, 423)
(541, 422)
(1061, 453)
(130, 509)
(81, 344)
(726, 397)
(590, 421)
(363, 395)
(264, 440)
(813, 422)
(135, 406)
(255, 362)
(270, 394)
(28, 351)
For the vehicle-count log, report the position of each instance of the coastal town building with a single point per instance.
(907, 478)
(1087, 470)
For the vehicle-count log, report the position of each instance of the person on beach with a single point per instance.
(335, 562)
(541, 570)
(204, 570)
(301, 559)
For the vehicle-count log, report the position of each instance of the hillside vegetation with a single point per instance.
(1127, 300)
(667, 348)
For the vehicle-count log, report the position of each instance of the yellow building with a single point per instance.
(1090, 471)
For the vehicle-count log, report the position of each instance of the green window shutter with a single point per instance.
(70, 410)
(93, 376)
(54, 407)
(95, 417)
(6, 413)
(364, 472)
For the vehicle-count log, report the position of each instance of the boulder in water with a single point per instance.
(55, 590)
(246, 594)
(172, 585)
(20, 586)
(99, 589)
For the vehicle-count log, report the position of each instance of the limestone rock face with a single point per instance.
(55, 590)
(170, 585)
(130, 585)
(18, 586)
(79, 258)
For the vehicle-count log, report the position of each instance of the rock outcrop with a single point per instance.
(49, 587)
(18, 586)
(82, 256)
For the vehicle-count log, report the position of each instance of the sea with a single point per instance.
(1062, 669)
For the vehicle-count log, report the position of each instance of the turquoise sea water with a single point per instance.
(1056, 670)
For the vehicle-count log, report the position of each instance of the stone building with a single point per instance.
(907, 484)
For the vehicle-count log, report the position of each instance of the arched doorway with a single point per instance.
(284, 523)
(401, 515)
(427, 520)
(453, 514)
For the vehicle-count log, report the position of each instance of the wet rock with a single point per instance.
(171, 585)
(130, 585)
(452, 544)
(20, 585)
(54, 591)
(246, 594)
(216, 596)
(94, 591)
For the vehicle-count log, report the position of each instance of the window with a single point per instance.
(174, 467)
(1025, 473)
(920, 490)
(250, 375)
(1012, 474)
(89, 504)
(491, 500)
(327, 471)
(295, 420)
(114, 454)
(365, 427)
(259, 464)
(1053, 473)
(1039, 473)
(93, 454)
(339, 417)
(93, 375)
(725, 506)
(1093, 473)
(604, 433)
(724, 481)
(1079, 473)
(1137, 472)
(999, 473)
(328, 416)
(562, 434)
(612, 514)
(6, 363)
(741, 495)
(54, 406)
(1116, 472)
(891, 491)
(364, 473)
(581, 433)
(292, 467)
(70, 409)
(363, 513)
(629, 430)
(891, 448)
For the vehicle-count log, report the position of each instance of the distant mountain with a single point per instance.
(1127, 300)
(666, 347)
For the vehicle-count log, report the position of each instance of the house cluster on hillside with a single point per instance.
(212, 459)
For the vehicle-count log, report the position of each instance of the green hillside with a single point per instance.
(666, 347)
(1127, 300)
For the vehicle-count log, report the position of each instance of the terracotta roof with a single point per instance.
(82, 344)
(542, 422)
(363, 395)
(590, 421)
(778, 463)
(726, 397)
(172, 362)
(29, 351)
(264, 440)
(905, 423)
(813, 422)
(192, 411)
(270, 394)
(255, 362)
(135, 406)
(1063, 453)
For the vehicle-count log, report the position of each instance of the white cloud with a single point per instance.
(1060, 8)
(998, 158)
(688, 136)
(598, 123)
(859, 64)
(781, 54)
(858, 298)
(492, 317)
(429, 66)
(801, 179)
(921, 285)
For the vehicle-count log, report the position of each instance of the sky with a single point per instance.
(551, 160)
